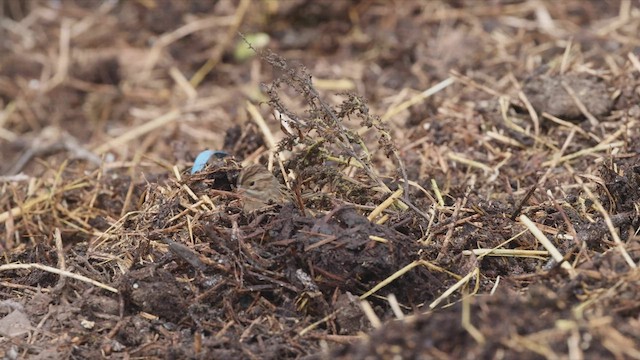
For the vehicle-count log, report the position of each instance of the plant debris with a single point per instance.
(462, 179)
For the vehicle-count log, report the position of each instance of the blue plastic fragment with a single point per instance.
(203, 158)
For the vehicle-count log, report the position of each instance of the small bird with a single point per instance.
(259, 188)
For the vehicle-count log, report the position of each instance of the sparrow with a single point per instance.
(259, 188)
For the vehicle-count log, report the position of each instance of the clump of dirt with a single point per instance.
(495, 322)
(568, 96)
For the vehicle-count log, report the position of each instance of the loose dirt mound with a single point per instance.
(460, 180)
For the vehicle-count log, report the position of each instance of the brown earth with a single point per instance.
(465, 179)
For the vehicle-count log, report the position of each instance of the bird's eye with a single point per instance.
(252, 184)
